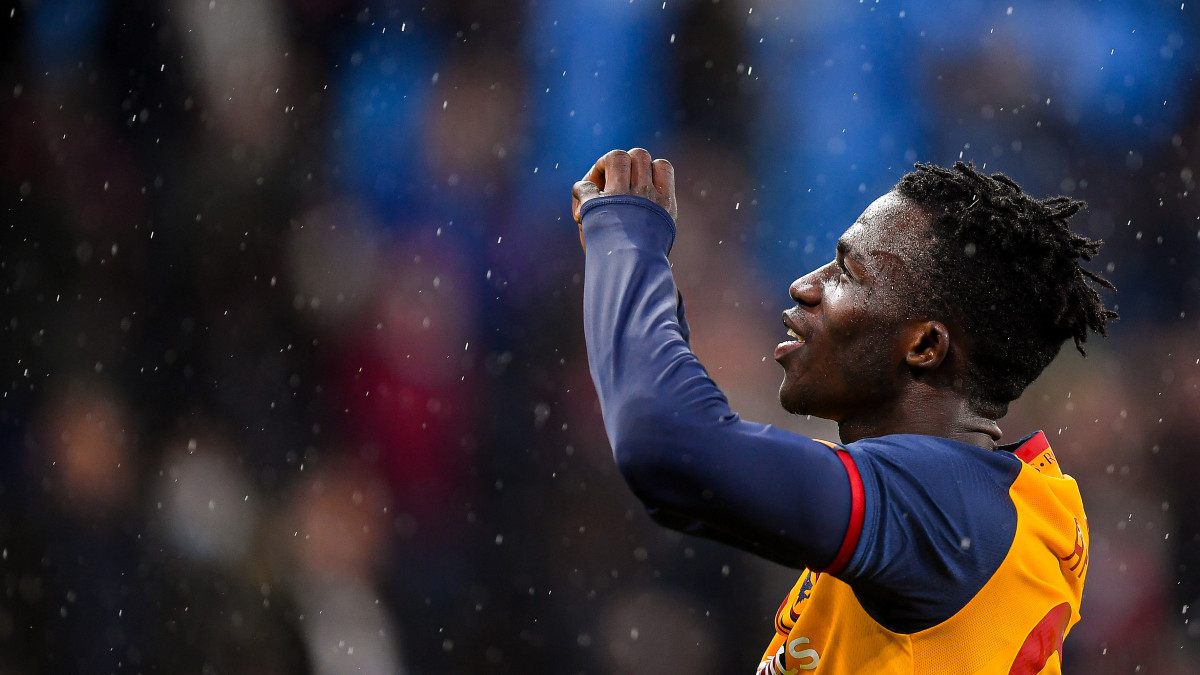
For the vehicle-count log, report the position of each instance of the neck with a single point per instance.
(927, 413)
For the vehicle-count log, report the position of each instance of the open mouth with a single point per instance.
(791, 329)
(795, 341)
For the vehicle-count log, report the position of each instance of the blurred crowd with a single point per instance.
(292, 376)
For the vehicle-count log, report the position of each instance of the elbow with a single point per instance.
(649, 454)
(637, 435)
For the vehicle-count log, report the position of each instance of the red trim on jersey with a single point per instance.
(856, 515)
(1033, 447)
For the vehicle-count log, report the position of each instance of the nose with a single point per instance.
(807, 289)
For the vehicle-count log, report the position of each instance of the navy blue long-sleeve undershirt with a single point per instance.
(915, 524)
(692, 461)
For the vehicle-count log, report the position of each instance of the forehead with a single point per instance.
(892, 229)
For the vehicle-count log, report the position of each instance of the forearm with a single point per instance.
(683, 451)
(636, 337)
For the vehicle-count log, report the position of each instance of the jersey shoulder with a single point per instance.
(938, 520)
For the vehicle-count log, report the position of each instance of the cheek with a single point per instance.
(861, 311)
(845, 315)
(860, 341)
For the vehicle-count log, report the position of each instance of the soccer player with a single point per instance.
(925, 547)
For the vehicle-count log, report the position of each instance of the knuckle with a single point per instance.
(619, 155)
(639, 153)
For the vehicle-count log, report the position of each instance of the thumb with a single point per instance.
(580, 193)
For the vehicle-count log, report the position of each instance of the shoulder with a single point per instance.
(935, 481)
(937, 522)
(936, 462)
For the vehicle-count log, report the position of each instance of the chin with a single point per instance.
(788, 400)
(792, 399)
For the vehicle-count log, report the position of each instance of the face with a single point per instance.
(845, 355)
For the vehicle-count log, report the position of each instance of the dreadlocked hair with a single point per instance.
(1006, 267)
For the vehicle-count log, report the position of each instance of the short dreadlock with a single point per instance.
(1006, 267)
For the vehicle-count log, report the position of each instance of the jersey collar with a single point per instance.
(1036, 452)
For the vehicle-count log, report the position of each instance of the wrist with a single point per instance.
(640, 221)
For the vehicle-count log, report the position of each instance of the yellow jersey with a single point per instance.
(958, 560)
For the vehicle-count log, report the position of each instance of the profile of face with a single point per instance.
(846, 352)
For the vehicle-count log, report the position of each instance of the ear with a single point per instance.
(928, 344)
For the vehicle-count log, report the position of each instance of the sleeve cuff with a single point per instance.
(627, 211)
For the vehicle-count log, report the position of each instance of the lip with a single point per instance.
(788, 346)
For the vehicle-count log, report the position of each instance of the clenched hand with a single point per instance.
(627, 173)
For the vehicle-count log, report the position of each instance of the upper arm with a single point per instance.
(780, 495)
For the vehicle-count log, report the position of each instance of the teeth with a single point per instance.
(794, 335)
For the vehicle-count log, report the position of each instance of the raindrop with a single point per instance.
(541, 413)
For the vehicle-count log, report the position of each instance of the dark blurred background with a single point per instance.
(292, 377)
